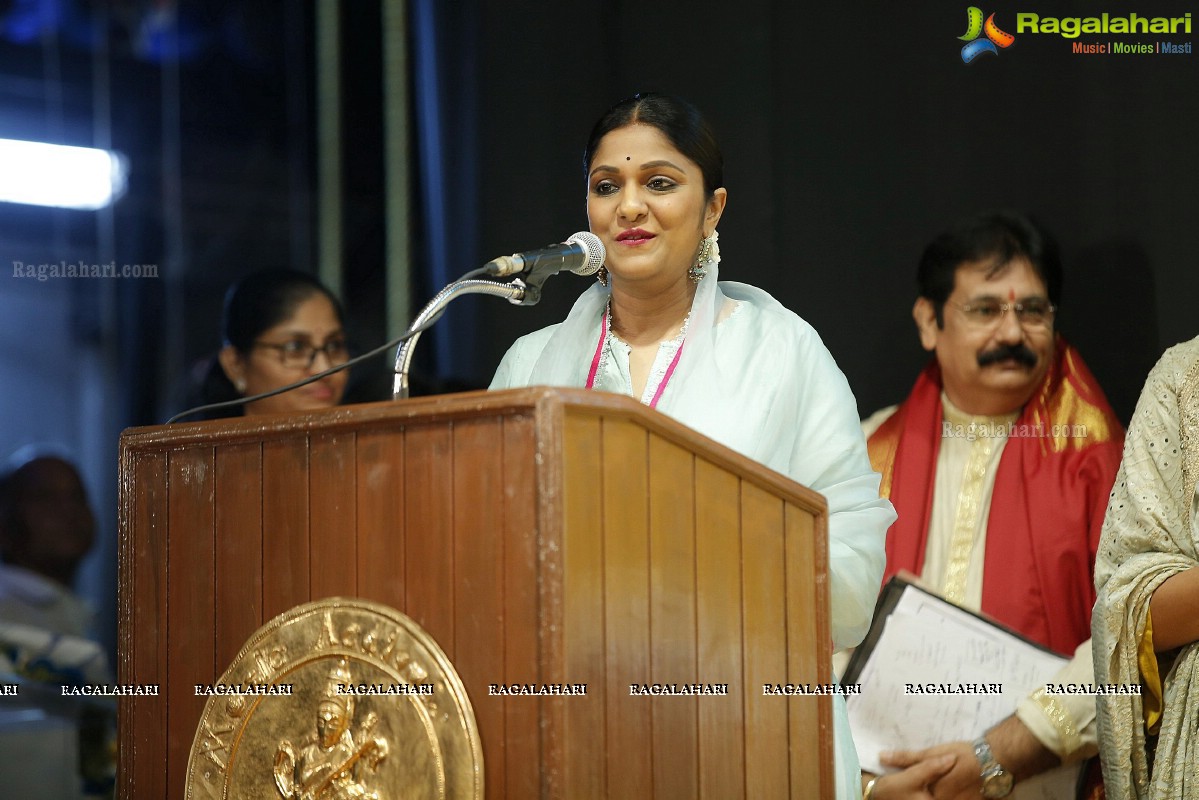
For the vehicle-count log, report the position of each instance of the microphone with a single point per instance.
(582, 254)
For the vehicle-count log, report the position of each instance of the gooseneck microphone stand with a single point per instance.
(582, 254)
(517, 292)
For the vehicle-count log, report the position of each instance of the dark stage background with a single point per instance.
(854, 135)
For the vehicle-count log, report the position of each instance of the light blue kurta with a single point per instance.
(758, 380)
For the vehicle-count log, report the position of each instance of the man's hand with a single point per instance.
(912, 783)
(962, 780)
(1012, 745)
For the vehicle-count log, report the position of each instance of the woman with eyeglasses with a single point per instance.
(279, 326)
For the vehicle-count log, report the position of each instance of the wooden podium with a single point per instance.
(540, 536)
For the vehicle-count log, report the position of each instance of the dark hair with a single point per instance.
(254, 304)
(263, 299)
(998, 235)
(678, 120)
(15, 476)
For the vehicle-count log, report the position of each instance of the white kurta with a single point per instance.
(758, 380)
(954, 558)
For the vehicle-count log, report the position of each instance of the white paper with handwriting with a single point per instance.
(958, 660)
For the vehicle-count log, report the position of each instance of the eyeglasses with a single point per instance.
(301, 354)
(985, 313)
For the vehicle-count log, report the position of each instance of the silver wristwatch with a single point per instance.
(997, 781)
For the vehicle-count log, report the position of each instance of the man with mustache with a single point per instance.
(1000, 463)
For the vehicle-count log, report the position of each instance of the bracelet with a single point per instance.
(868, 792)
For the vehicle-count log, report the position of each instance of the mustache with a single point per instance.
(1015, 352)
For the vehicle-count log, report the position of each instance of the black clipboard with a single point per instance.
(888, 598)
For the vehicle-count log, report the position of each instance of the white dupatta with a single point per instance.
(761, 382)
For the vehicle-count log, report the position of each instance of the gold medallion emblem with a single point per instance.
(340, 699)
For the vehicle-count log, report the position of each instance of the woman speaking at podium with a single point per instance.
(726, 359)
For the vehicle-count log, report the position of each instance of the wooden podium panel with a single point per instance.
(541, 536)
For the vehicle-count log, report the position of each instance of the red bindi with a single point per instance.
(1011, 295)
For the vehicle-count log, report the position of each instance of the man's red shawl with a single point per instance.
(1051, 492)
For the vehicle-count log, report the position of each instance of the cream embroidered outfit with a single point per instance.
(1151, 533)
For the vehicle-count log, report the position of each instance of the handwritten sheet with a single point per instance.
(931, 645)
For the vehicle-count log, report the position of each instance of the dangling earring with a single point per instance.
(697, 271)
(240, 385)
(601, 275)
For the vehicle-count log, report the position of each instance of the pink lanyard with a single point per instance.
(599, 349)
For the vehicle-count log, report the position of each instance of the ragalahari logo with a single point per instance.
(974, 28)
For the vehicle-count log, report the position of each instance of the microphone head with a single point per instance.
(593, 249)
